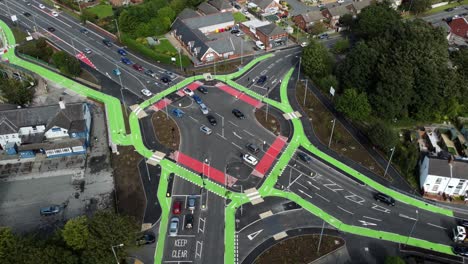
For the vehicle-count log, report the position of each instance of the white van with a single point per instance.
(259, 45)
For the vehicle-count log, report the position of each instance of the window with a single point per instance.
(6, 137)
(439, 180)
(435, 188)
(56, 129)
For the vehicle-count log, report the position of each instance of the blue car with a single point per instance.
(197, 99)
(122, 52)
(178, 113)
(116, 72)
(126, 61)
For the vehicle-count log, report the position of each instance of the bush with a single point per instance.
(382, 135)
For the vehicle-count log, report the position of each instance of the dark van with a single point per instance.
(252, 148)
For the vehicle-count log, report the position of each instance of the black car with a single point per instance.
(384, 199)
(202, 89)
(304, 157)
(150, 73)
(165, 79)
(238, 113)
(212, 120)
(188, 221)
(146, 239)
(463, 223)
(449, 10)
(252, 148)
(51, 29)
(107, 42)
(26, 14)
(262, 80)
(460, 250)
(84, 31)
(170, 182)
(235, 31)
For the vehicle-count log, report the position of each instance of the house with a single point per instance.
(440, 176)
(268, 33)
(188, 13)
(207, 9)
(54, 130)
(459, 27)
(204, 39)
(333, 14)
(359, 5)
(306, 20)
(221, 5)
(266, 6)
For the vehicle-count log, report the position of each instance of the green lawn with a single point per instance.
(164, 46)
(102, 11)
(239, 17)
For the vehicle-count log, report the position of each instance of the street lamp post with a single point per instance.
(180, 59)
(115, 255)
(242, 191)
(389, 161)
(305, 91)
(414, 225)
(118, 30)
(320, 240)
(299, 71)
(121, 91)
(331, 135)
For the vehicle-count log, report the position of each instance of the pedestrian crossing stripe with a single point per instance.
(292, 115)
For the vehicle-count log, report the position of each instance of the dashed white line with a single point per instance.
(441, 227)
(233, 123)
(194, 119)
(313, 185)
(375, 219)
(236, 145)
(249, 133)
(237, 135)
(306, 194)
(407, 217)
(345, 210)
(322, 197)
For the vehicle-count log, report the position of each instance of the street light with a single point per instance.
(121, 90)
(242, 191)
(414, 225)
(305, 90)
(115, 255)
(331, 135)
(118, 30)
(389, 161)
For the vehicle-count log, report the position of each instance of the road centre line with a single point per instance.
(407, 217)
(375, 219)
(344, 210)
(441, 227)
(322, 197)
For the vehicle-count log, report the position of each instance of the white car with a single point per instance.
(303, 44)
(206, 130)
(54, 13)
(174, 226)
(203, 109)
(87, 51)
(250, 159)
(259, 44)
(187, 91)
(41, 6)
(240, 34)
(146, 92)
(340, 1)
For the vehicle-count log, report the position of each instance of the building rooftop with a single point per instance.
(341, 10)
(271, 30)
(312, 16)
(255, 23)
(441, 167)
(207, 9)
(261, 3)
(459, 27)
(209, 20)
(220, 4)
(188, 13)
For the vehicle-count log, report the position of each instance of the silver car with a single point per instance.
(206, 130)
(174, 226)
(204, 109)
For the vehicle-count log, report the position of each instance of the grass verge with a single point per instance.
(270, 122)
(166, 130)
(101, 10)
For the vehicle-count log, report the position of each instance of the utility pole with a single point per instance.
(299, 71)
(389, 161)
(320, 240)
(118, 30)
(414, 225)
(180, 59)
(115, 255)
(121, 91)
(305, 91)
(331, 135)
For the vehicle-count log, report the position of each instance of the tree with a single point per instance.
(353, 104)
(76, 233)
(8, 245)
(317, 28)
(394, 260)
(407, 156)
(417, 6)
(67, 64)
(341, 46)
(16, 92)
(328, 81)
(346, 20)
(382, 135)
(316, 61)
(375, 20)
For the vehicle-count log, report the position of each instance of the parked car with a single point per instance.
(177, 207)
(150, 73)
(84, 31)
(304, 157)
(212, 120)
(178, 113)
(187, 91)
(304, 44)
(137, 67)
(250, 159)
(126, 60)
(235, 31)
(259, 45)
(188, 221)
(116, 72)
(146, 239)
(238, 114)
(197, 99)
(460, 250)
(206, 130)
(384, 199)
(204, 109)
(107, 42)
(51, 29)
(170, 74)
(449, 9)
(202, 89)
(174, 226)
(122, 52)
(165, 79)
(252, 148)
(87, 50)
(54, 13)
(191, 203)
(262, 80)
(340, 1)
(50, 210)
(146, 92)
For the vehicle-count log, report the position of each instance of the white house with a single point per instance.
(439, 176)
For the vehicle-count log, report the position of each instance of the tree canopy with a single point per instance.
(316, 60)
(16, 92)
(67, 64)
(353, 104)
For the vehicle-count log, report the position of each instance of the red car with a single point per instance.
(137, 67)
(177, 207)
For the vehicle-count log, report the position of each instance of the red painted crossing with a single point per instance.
(82, 57)
(270, 156)
(161, 104)
(191, 86)
(198, 166)
(240, 95)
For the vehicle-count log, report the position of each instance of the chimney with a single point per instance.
(61, 103)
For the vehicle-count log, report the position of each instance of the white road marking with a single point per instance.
(185, 236)
(355, 198)
(344, 210)
(313, 185)
(236, 145)
(249, 133)
(367, 223)
(328, 186)
(375, 219)
(198, 254)
(441, 227)
(322, 197)
(380, 208)
(194, 119)
(407, 217)
(221, 136)
(233, 123)
(236, 135)
(201, 228)
(306, 194)
(305, 187)
(254, 234)
(263, 72)
(295, 181)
